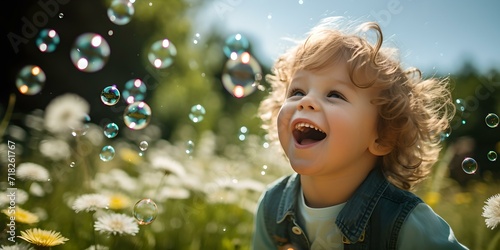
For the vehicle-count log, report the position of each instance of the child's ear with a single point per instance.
(378, 149)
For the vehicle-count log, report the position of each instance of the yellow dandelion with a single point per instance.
(44, 238)
(432, 198)
(118, 201)
(21, 215)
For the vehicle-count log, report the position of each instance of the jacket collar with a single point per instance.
(354, 217)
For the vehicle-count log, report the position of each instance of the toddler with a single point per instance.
(359, 132)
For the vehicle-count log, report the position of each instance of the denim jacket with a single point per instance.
(371, 219)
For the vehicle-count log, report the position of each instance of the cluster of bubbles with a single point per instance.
(469, 165)
(242, 73)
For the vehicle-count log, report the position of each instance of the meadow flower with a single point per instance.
(55, 149)
(167, 165)
(90, 202)
(97, 247)
(118, 201)
(65, 111)
(44, 238)
(114, 224)
(32, 171)
(491, 211)
(21, 197)
(21, 215)
(22, 246)
(36, 189)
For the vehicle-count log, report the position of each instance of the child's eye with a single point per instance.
(295, 92)
(336, 94)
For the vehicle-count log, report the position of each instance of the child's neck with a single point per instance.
(326, 191)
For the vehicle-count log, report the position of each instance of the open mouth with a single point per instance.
(305, 133)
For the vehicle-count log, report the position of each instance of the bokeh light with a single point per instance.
(47, 40)
(90, 52)
(120, 12)
(134, 90)
(162, 54)
(30, 80)
(241, 75)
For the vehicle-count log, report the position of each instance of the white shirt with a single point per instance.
(320, 225)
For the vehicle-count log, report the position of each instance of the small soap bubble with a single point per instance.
(120, 12)
(241, 75)
(110, 95)
(47, 40)
(81, 127)
(143, 145)
(243, 133)
(145, 211)
(61, 15)
(469, 165)
(134, 90)
(72, 164)
(189, 147)
(492, 155)
(491, 120)
(197, 113)
(162, 53)
(460, 104)
(137, 115)
(111, 130)
(107, 153)
(196, 38)
(30, 80)
(90, 52)
(235, 45)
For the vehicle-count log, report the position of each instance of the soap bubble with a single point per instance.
(90, 52)
(145, 211)
(107, 153)
(111, 130)
(110, 95)
(197, 113)
(162, 53)
(120, 12)
(241, 75)
(47, 40)
(143, 145)
(137, 115)
(492, 155)
(30, 80)
(134, 90)
(189, 147)
(243, 133)
(491, 120)
(469, 165)
(235, 45)
(81, 127)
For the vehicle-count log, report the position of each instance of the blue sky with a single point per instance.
(435, 36)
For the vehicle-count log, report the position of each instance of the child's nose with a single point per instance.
(307, 103)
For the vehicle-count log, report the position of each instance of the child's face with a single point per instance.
(327, 124)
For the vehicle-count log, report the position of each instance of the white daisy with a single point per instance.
(90, 202)
(97, 247)
(168, 165)
(65, 111)
(55, 149)
(32, 171)
(114, 224)
(491, 211)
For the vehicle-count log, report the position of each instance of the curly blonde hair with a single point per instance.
(413, 112)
